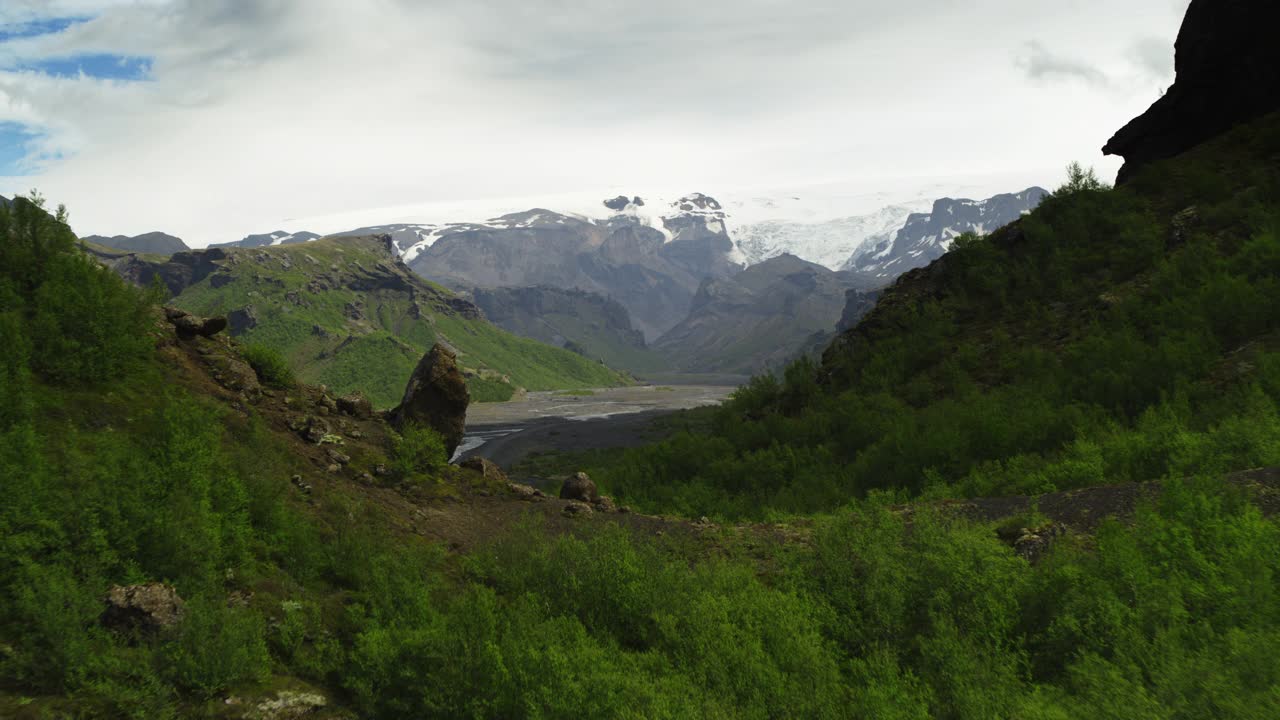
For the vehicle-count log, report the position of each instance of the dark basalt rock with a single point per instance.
(242, 320)
(579, 487)
(356, 405)
(148, 607)
(618, 203)
(1228, 72)
(488, 469)
(188, 326)
(436, 397)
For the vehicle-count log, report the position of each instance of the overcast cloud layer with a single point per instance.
(211, 119)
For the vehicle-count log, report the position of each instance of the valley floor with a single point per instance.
(507, 433)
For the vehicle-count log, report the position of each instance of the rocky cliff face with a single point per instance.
(347, 313)
(587, 323)
(279, 237)
(179, 272)
(927, 236)
(154, 243)
(857, 304)
(758, 319)
(1228, 71)
(652, 271)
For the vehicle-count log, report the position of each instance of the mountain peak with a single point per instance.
(697, 202)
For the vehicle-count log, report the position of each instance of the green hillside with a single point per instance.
(346, 315)
(1040, 480)
(1112, 335)
(321, 590)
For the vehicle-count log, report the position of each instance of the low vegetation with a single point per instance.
(114, 473)
(1110, 336)
(316, 306)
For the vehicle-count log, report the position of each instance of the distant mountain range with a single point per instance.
(648, 284)
(279, 237)
(758, 318)
(926, 236)
(152, 243)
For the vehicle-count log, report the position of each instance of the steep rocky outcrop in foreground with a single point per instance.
(436, 397)
(1228, 65)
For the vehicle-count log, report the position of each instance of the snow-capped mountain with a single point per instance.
(279, 237)
(649, 256)
(828, 243)
(926, 236)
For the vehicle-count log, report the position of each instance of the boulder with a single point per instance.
(188, 326)
(233, 373)
(577, 508)
(1228, 72)
(579, 487)
(526, 492)
(488, 469)
(288, 705)
(356, 405)
(436, 397)
(147, 607)
(242, 320)
(311, 428)
(1032, 544)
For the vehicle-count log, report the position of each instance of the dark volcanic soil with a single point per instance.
(509, 445)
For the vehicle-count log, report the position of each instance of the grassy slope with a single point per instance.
(355, 587)
(1110, 336)
(377, 353)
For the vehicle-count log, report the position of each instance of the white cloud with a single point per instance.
(259, 110)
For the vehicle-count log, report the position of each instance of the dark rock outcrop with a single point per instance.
(356, 405)
(148, 607)
(179, 272)
(242, 320)
(566, 318)
(188, 326)
(579, 487)
(856, 304)
(1228, 72)
(784, 299)
(488, 469)
(436, 397)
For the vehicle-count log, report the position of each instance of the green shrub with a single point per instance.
(270, 365)
(418, 450)
(216, 647)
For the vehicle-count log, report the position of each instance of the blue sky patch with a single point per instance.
(38, 27)
(97, 65)
(14, 138)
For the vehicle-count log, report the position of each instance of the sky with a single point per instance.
(213, 119)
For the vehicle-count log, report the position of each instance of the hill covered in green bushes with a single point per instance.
(344, 313)
(1112, 335)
